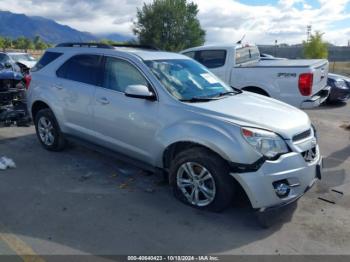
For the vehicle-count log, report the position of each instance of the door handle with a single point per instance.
(103, 101)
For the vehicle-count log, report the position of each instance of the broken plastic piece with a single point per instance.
(6, 162)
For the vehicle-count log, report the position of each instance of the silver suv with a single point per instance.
(167, 112)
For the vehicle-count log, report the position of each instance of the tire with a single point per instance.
(219, 186)
(48, 131)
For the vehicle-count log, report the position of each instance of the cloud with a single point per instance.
(224, 20)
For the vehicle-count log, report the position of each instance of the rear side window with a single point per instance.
(211, 58)
(46, 59)
(247, 54)
(82, 68)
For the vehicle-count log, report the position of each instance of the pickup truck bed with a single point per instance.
(301, 82)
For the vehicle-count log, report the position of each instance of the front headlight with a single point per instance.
(265, 142)
(340, 84)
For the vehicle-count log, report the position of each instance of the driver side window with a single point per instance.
(119, 74)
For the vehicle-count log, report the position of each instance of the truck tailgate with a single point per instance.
(320, 71)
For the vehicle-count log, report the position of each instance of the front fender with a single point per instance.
(225, 141)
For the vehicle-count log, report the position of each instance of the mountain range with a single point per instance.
(15, 25)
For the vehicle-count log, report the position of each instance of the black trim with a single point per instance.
(246, 168)
(82, 44)
(120, 156)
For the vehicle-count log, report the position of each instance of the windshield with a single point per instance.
(247, 54)
(186, 79)
(22, 57)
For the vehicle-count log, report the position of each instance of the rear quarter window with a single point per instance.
(46, 59)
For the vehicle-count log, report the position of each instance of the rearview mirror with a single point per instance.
(139, 91)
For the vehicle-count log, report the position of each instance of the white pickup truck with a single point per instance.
(301, 83)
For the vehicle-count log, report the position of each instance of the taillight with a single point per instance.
(305, 84)
(27, 79)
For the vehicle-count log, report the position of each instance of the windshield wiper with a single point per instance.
(198, 99)
(237, 91)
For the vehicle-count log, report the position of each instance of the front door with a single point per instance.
(124, 124)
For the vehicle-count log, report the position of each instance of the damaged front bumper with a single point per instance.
(291, 169)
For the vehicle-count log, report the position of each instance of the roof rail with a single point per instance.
(81, 44)
(137, 46)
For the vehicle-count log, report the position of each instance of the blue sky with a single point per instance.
(262, 21)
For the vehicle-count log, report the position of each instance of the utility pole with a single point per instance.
(276, 47)
(308, 33)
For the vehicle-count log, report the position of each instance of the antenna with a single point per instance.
(240, 41)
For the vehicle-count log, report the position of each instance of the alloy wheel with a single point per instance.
(45, 130)
(196, 184)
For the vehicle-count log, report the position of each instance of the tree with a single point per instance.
(39, 44)
(7, 43)
(2, 43)
(23, 43)
(316, 47)
(169, 25)
(109, 42)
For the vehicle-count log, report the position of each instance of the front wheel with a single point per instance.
(201, 179)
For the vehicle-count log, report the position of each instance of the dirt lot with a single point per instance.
(83, 202)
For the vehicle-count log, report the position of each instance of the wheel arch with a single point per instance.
(257, 90)
(37, 106)
(175, 148)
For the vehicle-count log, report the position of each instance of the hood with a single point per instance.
(336, 76)
(29, 64)
(9, 74)
(248, 109)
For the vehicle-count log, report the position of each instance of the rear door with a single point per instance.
(74, 91)
(124, 124)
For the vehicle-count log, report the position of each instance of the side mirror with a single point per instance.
(139, 91)
(7, 65)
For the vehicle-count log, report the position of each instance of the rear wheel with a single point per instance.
(201, 179)
(48, 131)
